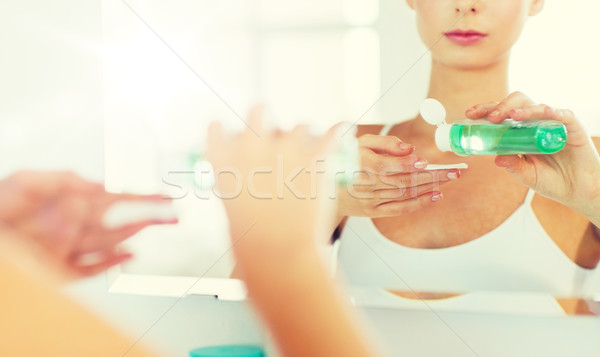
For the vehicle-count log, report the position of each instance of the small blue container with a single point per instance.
(228, 351)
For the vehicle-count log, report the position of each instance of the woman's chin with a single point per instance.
(470, 62)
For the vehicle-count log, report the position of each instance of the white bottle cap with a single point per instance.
(433, 112)
(442, 137)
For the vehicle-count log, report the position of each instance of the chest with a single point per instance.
(479, 202)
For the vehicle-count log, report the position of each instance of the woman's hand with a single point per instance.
(274, 188)
(392, 182)
(62, 213)
(571, 176)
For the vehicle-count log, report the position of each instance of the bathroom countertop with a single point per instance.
(175, 326)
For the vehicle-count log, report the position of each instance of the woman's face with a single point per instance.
(472, 34)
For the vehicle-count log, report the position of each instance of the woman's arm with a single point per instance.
(595, 216)
(39, 321)
(303, 308)
(276, 239)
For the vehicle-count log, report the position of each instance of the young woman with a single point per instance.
(510, 222)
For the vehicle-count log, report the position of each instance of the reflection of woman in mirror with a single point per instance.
(510, 223)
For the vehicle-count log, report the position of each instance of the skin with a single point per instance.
(567, 200)
(392, 181)
(320, 323)
(37, 320)
(49, 221)
(60, 215)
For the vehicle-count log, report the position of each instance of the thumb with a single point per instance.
(520, 166)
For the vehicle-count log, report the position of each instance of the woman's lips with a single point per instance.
(465, 37)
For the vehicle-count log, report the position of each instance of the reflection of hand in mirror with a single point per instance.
(392, 181)
(570, 176)
(275, 232)
(62, 213)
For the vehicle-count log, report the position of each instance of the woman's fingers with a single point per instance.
(497, 112)
(373, 182)
(398, 208)
(49, 184)
(403, 194)
(375, 204)
(390, 145)
(102, 203)
(389, 165)
(481, 110)
(577, 136)
(26, 192)
(108, 198)
(521, 167)
(538, 111)
(107, 260)
(102, 239)
(565, 116)
(418, 178)
(502, 110)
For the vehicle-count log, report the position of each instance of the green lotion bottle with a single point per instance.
(480, 137)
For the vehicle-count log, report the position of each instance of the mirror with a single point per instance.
(170, 69)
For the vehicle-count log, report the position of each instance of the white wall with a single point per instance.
(556, 61)
(50, 86)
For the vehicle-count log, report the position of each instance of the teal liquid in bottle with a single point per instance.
(480, 137)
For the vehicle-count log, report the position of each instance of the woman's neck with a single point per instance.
(459, 90)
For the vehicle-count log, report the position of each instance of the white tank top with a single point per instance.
(516, 256)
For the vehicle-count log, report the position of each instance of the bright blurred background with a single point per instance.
(113, 91)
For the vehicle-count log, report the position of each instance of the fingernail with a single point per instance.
(452, 175)
(405, 146)
(421, 164)
(516, 112)
(495, 113)
(472, 109)
(437, 197)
